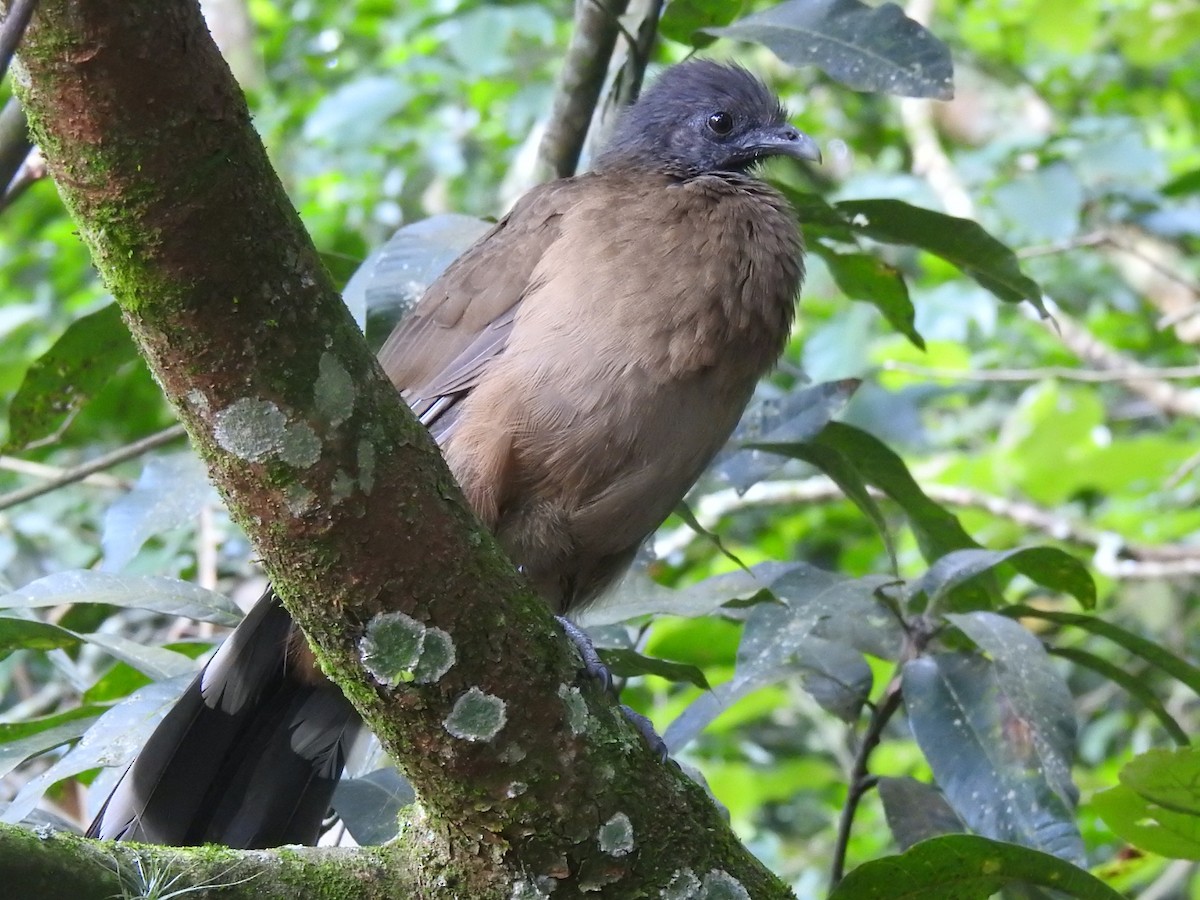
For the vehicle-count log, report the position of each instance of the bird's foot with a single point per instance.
(595, 668)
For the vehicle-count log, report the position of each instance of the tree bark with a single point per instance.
(355, 516)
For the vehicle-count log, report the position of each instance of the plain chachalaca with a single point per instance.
(580, 366)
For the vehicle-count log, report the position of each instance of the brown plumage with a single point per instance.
(580, 366)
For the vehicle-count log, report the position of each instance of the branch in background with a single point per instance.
(1112, 555)
(14, 142)
(99, 464)
(1140, 380)
(585, 68)
(929, 157)
(1064, 373)
(12, 29)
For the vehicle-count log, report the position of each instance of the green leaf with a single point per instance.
(843, 473)
(28, 634)
(997, 740)
(1187, 183)
(863, 277)
(962, 242)
(938, 531)
(629, 664)
(1147, 825)
(684, 20)
(1048, 566)
(916, 811)
(1151, 652)
(21, 741)
(1134, 686)
(79, 365)
(1170, 778)
(866, 48)
(168, 596)
(966, 867)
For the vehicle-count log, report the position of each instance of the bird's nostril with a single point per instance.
(792, 134)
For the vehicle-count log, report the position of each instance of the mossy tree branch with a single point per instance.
(346, 499)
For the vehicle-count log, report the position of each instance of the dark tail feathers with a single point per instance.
(248, 757)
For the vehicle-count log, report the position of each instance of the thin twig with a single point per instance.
(1064, 373)
(99, 464)
(585, 68)
(861, 779)
(43, 471)
(12, 29)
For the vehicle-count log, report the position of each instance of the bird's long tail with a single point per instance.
(249, 755)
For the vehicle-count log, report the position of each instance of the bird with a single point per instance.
(580, 366)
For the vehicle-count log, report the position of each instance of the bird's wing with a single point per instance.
(439, 352)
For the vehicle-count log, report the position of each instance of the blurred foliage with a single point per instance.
(1074, 139)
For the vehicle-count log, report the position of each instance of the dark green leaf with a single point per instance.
(630, 664)
(79, 365)
(1134, 686)
(1187, 183)
(1151, 652)
(684, 19)
(959, 241)
(798, 416)
(966, 867)
(938, 531)
(843, 473)
(916, 811)
(1048, 566)
(863, 277)
(866, 48)
(685, 512)
(27, 634)
(996, 751)
(370, 806)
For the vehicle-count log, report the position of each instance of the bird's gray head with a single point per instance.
(702, 117)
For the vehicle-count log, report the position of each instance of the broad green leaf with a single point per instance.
(1151, 652)
(996, 750)
(843, 473)
(967, 867)
(66, 729)
(168, 596)
(938, 531)
(863, 277)
(1147, 825)
(866, 48)
(684, 20)
(1170, 778)
(169, 493)
(962, 242)
(799, 416)
(111, 741)
(79, 365)
(370, 805)
(629, 664)
(916, 811)
(28, 634)
(1047, 566)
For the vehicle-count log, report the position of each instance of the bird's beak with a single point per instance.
(785, 140)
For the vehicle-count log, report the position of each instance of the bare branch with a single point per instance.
(1137, 373)
(99, 464)
(12, 29)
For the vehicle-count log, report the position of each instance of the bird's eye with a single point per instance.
(720, 123)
